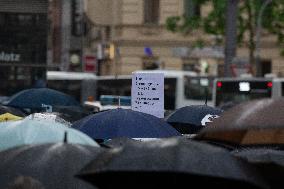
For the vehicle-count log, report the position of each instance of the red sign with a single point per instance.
(90, 63)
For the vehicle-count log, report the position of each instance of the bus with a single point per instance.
(182, 88)
(80, 85)
(278, 87)
(237, 90)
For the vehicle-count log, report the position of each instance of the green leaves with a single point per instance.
(248, 13)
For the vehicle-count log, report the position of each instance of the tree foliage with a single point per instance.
(248, 12)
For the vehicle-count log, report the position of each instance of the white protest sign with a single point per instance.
(147, 93)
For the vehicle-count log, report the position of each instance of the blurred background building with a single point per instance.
(131, 34)
(113, 37)
(23, 43)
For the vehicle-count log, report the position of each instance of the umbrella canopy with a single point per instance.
(190, 119)
(259, 122)
(54, 165)
(11, 110)
(9, 117)
(51, 117)
(171, 163)
(39, 98)
(118, 142)
(71, 113)
(29, 131)
(270, 163)
(124, 123)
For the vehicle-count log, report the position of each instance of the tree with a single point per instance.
(248, 11)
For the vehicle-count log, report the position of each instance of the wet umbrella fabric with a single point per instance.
(71, 113)
(36, 97)
(270, 163)
(11, 110)
(28, 131)
(51, 117)
(190, 119)
(118, 142)
(124, 123)
(54, 165)
(258, 122)
(169, 163)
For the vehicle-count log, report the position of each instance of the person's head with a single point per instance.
(24, 182)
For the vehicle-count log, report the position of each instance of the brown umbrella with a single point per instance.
(251, 123)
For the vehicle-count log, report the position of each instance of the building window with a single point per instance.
(191, 8)
(191, 64)
(151, 11)
(150, 63)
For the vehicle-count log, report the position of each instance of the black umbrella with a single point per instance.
(118, 142)
(71, 113)
(270, 163)
(40, 98)
(11, 110)
(119, 122)
(171, 163)
(54, 165)
(190, 119)
(258, 122)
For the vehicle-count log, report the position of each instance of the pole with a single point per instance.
(231, 35)
(257, 42)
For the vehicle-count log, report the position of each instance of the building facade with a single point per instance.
(23, 44)
(137, 31)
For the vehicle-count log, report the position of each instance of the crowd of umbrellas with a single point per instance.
(194, 146)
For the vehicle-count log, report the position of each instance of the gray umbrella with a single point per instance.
(118, 142)
(169, 163)
(258, 122)
(54, 165)
(270, 163)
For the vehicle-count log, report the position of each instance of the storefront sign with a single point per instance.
(9, 57)
(90, 63)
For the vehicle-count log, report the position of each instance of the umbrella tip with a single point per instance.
(65, 140)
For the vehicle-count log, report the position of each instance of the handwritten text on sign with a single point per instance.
(147, 94)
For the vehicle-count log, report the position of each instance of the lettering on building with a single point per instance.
(9, 57)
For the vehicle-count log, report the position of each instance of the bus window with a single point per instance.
(70, 87)
(170, 93)
(241, 90)
(79, 85)
(197, 88)
(282, 89)
(119, 87)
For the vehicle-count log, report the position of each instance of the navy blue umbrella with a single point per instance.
(36, 98)
(190, 119)
(124, 123)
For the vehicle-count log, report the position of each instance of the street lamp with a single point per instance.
(258, 31)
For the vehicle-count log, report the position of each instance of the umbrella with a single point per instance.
(190, 119)
(124, 123)
(51, 117)
(11, 110)
(118, 142)
(258, 122)
(9, 117)
(54, 165)
(24, 182)
(270, 163)
(40, 98)
(171, 163)
(28, 131)
(71, 113)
